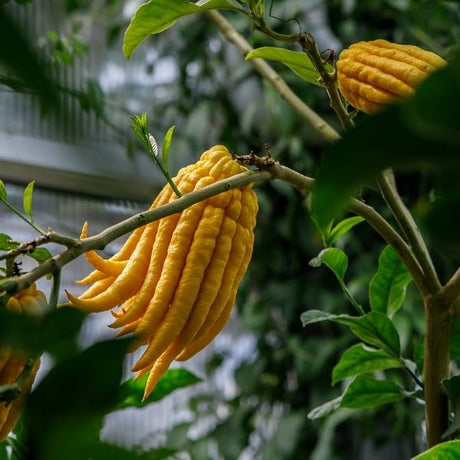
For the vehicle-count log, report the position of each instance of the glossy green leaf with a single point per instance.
(374, 328)
(167, 145)
(445, 451)
(366, 392)
(343, 227)
(334, 259)
(6, 243)
(27, 198)
(325, 409)
(337, 261)
(360, 359)
(155, 16)
(422, 133)
(452, 386)
(298, 62)
(387, 288)
(40, 255)
(3, 193)
(316, 316)
(132, 390)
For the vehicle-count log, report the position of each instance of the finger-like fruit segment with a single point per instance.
(30, 301)
(193, 262)
(373, 74)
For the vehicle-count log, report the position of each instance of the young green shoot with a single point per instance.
(149, 142)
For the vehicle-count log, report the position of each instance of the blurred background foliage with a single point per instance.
(202, 85)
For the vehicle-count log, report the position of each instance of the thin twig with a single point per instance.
(30, 246)
(54, 295)
(15, 284)
(327, 77)
(267, 72)
(387, 184)
(273, 171)
(383, 228)
(24, 218)
(329, 80)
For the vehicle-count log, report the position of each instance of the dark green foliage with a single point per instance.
(22, 60)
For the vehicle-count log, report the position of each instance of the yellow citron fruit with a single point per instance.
(175, 279)
(373, 74)
(12, 363)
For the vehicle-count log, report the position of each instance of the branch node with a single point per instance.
(260, 162)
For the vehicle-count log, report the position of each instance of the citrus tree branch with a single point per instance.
(450, 293)
(409, 227)
(272, 171)
(12, 285)
(324, 66)
(267, 72)
(373, 218)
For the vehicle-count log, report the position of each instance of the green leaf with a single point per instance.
(316, 316)
(40, 255)
(334, 259)
(360, 359)
(65, 412)
(140, 127)
(298, 62)
(3, 194)
(422, 133)
(325, 409)
(374, 328)
(343, 227)
(366, 392)
(156, 16)
(132, 390)
(387, 288)
(444, 451)
(27, 198)
(167, 145)
(96, 98)
(22, 59)
(452, 386)
(6, 243)
(56, 332)
(337, 261)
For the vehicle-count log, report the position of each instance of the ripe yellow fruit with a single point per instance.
(176, 279)
(373, 74)
(12, 363)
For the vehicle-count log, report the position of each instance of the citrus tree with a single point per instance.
(396, 109)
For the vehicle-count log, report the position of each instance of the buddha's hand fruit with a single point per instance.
(176, 278)
(30, 301)
(373, 74)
